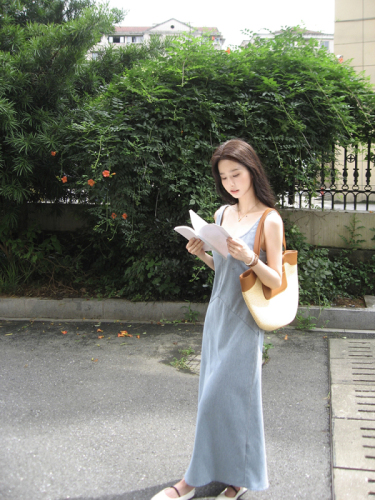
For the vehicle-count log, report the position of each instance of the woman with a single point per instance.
(229, 442)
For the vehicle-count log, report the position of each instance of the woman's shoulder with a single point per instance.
(274, 215)
(273, 221)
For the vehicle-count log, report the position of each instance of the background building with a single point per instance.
(355, 34)
(139, 34)
(324, 39)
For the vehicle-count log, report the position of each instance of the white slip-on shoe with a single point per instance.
(163, 496)
(239, 493)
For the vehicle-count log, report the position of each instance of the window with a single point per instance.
(325, 43)
(116, 39)
(136, 39)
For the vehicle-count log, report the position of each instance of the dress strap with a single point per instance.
(220, 214)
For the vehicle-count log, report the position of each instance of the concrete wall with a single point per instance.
(323, 228)
(51, 217)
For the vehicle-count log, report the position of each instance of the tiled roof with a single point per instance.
(132, 29)
(207, 29)
(143, 29)
(303, 32)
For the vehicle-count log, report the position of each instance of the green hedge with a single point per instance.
(151, 126)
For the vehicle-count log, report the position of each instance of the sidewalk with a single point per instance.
(110, 419)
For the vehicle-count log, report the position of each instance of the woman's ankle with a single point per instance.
(182, 487)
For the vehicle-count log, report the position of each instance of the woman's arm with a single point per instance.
(270, 274)
(195, 247)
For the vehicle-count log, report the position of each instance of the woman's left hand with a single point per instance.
(239, 250)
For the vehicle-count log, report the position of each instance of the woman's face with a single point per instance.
(236, 178)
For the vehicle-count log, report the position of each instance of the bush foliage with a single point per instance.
(132, 134)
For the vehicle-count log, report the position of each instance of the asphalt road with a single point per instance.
(110, 419)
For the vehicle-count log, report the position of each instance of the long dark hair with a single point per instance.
(241, 152)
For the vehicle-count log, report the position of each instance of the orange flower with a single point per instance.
(101, 337)
(124, 333)
(53, 153)
(99, 330)
(91, 182)
(113, 215)
(124, 216)
(64, 179)
(228, 50)
(138, 336)
(64, 332)
(106, 173)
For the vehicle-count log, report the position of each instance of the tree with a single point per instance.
(42, 45)
(153, 129)
(132, 135)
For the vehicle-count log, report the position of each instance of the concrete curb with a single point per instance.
(118, 309)
(338, 317)
(93, 309)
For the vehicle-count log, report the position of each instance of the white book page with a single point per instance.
(197, 221)
(217, 236)
(212, 235)
(189, 233)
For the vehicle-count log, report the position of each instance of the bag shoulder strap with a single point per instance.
(260, 228)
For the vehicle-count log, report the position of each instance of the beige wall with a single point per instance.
(323, 228)
(355, 34)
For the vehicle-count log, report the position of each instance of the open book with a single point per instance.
(213, 236)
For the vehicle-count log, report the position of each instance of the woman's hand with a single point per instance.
(195, 247)
(239, 250)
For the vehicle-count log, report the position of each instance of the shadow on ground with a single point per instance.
(208, 491)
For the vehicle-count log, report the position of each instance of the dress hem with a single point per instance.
(226, 482)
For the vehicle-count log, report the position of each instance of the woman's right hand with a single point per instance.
(195, 247)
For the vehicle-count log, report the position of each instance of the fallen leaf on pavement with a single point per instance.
(99, 330)
(286, 337)
(95, 360)
(101, 337)
(64, 332)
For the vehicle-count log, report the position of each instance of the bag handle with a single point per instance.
(260, 228)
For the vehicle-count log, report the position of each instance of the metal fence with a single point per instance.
(344, 184)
